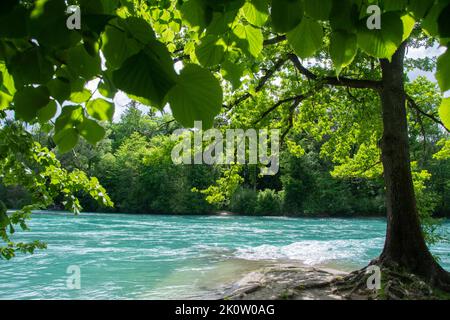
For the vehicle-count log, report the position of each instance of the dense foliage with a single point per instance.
(134, 164)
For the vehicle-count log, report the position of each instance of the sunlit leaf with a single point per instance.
(444, 112)
(382, 43)
(256, 12)
(91, 131)
(100, 109)
(66, 139)
(196, 96)
(343, 49)
(306, 38)
(148, 74)
(442, 74)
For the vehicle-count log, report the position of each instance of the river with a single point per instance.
(120, 256)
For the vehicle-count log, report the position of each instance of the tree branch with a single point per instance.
(335, 81)
(291, 117)
(414, 105)
(274, 107)
(274, 40)
(297, 99)
(262, 82)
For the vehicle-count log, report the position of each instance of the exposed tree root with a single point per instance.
(396, 284)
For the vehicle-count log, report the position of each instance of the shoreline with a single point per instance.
(217, 214)
(287, 281)
(232, 214)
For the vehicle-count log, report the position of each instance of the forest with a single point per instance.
(88, 112)
(133, 163)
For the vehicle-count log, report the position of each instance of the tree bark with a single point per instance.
(405, 245)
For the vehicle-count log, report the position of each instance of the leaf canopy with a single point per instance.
(133, 46)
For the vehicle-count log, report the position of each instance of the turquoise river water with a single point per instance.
(170, 257)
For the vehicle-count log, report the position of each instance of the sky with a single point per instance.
(421, 52)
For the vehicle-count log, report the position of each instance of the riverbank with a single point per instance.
(281, 281)
(297, 282)
(225, 213)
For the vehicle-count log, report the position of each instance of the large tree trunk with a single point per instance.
(405, 245)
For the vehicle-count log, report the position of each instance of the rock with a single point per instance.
(283, 281)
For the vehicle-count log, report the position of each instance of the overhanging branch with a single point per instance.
(274, 40)
(276, 105)
(262, 82)
(335, 81)
(415, 106)
(291, 117)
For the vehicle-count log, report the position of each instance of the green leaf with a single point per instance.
(6, 80)
(30, 67)
(109, 6)
(91, 131)
(318, 9)
(196, 96)
(221, 22)
(420, 8)
(442, 74)
(251, 39)
(408, 26)
(106, 87)
(14, 24)
(46, 127)
(100, 109)
(444, 22)
(196, 13)
(91, 44)
(5, 100)
(80, 96)
(430, 22)
(117, 47)
(94, 23)
(211, 51)
(50, 15)
(91, 6)
(343, 49)
(4, 219)
(256, 12)
(47, 113)
(29, 100)
(60, 89)
(138, 28)
(224, 5)
(382, 43)
(344, 15)
(306, 38)
(232, 72)
(397, 5)
(286, 14)
(148, 74)
(66, 139)
(70, 117)
(444, 112)
(80, 63)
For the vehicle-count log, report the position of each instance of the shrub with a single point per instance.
(269, 202)
(244, 201)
